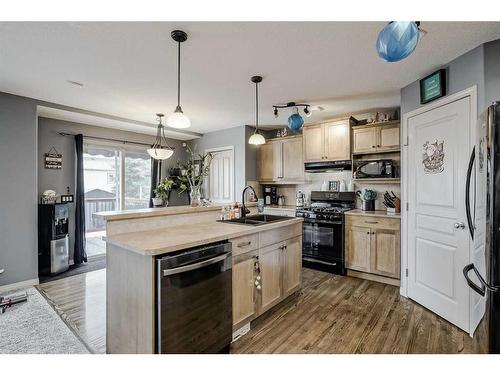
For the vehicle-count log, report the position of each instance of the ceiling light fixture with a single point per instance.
(178, 119)
(256, 138)
(398, 39)
(160, 150)
(295, 121)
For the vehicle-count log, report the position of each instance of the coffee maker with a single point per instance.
(270, 194)
(53, 238)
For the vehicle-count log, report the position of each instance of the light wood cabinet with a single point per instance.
(266, 162)
(369, 139)
(244, 306)
(292, 265)
(281, 160)
(270, 273)
(328, 141)
(265, 276)
(314, 143)
(337, 140)
(359, 248)
(372, 245)
(385, 253)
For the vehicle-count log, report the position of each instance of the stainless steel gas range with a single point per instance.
(323, 230)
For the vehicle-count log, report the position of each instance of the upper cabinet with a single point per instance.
(281, 160)
(369, 139)
(328, 141)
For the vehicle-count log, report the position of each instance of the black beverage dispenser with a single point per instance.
(53, 238)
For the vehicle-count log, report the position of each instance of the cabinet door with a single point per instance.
(313, 138)
(385, 252)
(358, 249)
(337, 140)
(388, 138)
(292, 264)
(293, 164)
(266, 162)
(270, 273)
(243, 290)
(364, 140)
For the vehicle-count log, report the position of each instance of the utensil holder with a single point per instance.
(368, 205)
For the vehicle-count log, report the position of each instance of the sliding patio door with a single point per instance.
(116, 178)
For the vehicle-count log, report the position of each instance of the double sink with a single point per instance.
(257, 219)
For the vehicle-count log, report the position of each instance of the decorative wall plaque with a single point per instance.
(433, 157)
(53, 159)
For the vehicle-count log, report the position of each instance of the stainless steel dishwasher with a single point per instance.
(194, 300)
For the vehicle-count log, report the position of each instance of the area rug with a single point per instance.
(33, 327)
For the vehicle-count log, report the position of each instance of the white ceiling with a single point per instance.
(129, 69)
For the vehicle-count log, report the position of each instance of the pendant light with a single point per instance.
(160, 150)
(178, 119)
(256, 138)
(398, 39)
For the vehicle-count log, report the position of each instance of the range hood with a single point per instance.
(328, 166)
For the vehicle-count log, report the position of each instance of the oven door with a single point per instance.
(323, 240)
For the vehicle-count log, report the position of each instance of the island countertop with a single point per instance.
(165, 240)
(160, 211)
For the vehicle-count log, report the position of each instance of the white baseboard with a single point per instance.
(19, 285)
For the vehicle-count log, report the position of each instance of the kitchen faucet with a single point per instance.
(244, 210)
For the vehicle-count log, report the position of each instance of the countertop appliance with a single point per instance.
(53, 238)
(483, 217)
(381, 168)
(270, 194)
(323, 230)
(299, 201)
(194, 300)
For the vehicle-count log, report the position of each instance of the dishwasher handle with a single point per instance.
(194, 266)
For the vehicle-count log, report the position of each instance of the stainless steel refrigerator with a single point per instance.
(483, 215)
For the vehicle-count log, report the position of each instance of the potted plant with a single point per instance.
(193, 173)
(162, 192)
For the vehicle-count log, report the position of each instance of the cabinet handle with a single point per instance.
(371, 222)
(374, 146)
(368, 233)
(373, 232)
(244, 244)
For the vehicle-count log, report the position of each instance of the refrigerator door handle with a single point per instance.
(484, 285)
(481, 290)
(467, 192)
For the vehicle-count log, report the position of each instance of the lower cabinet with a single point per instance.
(264, 277)
(373, 245)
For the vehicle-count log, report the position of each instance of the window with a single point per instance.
(115, 179)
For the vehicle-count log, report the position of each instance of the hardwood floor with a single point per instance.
(331, 314)
(81, 302)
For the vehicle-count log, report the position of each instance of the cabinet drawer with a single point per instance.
(373, 222)
(280, 234)
(245, 244)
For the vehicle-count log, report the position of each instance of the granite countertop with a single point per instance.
(165, 240)
(160, 211)
(284, 207)
(377, 213)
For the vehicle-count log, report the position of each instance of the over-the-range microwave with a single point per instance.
(381, 168)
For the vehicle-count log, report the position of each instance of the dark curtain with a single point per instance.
(80, 255)
(155, 178)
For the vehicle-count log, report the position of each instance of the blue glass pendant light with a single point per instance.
(397, 40)
(295, 121)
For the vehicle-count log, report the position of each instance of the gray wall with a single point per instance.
(18, 192)
(228, 137)
(463, 72)
(58, 180)
(492, 71)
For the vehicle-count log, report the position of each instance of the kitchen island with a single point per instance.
(266, 267)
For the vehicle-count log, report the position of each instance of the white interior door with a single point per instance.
(221, 178)
(438, 243)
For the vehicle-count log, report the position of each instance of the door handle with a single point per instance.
(467, 192)
(460, 225)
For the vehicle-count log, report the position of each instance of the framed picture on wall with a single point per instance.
(52, 159)
(433, 86)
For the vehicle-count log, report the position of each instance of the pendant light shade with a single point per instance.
(178, 119)
(397, 40)
(160, 150)
(295, 121)
(256, 138)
